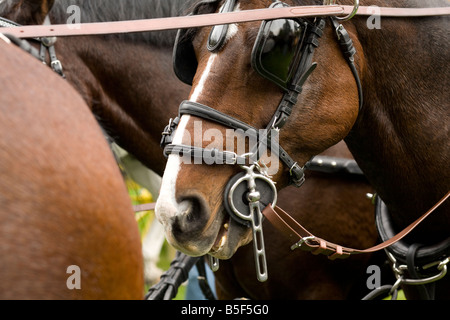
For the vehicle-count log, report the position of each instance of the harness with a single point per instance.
(47, 45)
(412, 263)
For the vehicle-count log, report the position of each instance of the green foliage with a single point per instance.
(144, 219)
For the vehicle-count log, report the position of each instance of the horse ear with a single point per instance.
(37, 9)
(40, 5)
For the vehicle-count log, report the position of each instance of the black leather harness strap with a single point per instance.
(47, 45)
(412, 263)
(208, 156)
(349, 52)
(423, 255)
(24, 45)
(205, 112)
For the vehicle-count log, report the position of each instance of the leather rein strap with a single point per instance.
(293, 230)
(144, 207)
(204, 20)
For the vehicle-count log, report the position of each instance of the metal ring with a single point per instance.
(352, 14)
(443, 264)
(431, 279)
(238, 182)
(396, 285)
(213, 263)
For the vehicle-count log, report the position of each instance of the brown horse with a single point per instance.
(67, 230)
(397, 133)
(111, 79)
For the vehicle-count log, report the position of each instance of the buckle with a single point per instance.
(297, 175)
(48, 41)
(301, 242)
(57, 67)
(168, 132)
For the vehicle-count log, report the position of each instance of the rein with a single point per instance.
(291, 228)
(212, 19)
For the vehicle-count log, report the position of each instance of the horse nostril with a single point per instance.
(192, 217)
(194, 208)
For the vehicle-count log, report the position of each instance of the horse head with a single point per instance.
(243, 71)
(28, 11)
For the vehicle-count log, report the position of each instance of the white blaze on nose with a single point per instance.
(232, 30)
(201, 84)
(167, 205)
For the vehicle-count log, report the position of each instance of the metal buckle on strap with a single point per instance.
(297, 175)
(351, 15)
(48, 41)
(230, 157)
(57, 67)
(168, 131)
(301, 242)
(213, 263)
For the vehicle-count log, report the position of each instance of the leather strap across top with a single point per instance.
(295, 231)
(204, 20)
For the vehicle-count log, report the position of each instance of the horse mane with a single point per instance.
(119, 10)
(122, 10)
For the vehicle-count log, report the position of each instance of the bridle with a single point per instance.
(253, 185)
(183, 51)
(47, 45)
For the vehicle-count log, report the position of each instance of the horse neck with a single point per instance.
(401, 138)
(130, 88)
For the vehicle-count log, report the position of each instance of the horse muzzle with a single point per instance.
(193, 229)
